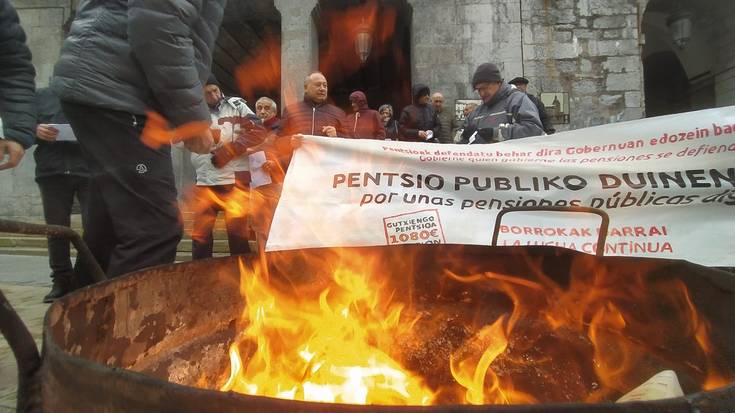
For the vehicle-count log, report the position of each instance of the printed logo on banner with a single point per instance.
(421, 227)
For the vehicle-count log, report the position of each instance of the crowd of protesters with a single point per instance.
(121, 60)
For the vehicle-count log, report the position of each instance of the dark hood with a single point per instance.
(361, 100)
(419, 90)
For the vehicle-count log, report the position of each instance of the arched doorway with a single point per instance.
(247, 55)
(678, 78)
(385, 75)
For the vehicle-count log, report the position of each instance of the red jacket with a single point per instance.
(365, 123)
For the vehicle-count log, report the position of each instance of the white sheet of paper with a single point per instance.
(65, 132)
(258, 177)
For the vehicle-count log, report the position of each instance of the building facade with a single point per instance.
(591, 61)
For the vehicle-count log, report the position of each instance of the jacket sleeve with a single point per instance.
(403, 130)
(159, 35)
(17, 80)
(379, 128)
(526, 122)
(341, 126)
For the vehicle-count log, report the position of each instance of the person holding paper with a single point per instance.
(419, 122)
(61, 174)
(223, 175)
(17, 87)
(505, 112)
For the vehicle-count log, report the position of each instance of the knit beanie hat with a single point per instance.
(212, 81)
(486, 73)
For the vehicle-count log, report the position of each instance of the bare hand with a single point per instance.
(47, 132)
(201, 144)
(269, 166)
(330, 131)
(14, 152)
(422, 134)
(296, 141)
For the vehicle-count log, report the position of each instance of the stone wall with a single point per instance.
(586, 48)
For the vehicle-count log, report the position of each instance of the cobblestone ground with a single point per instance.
(24, 281)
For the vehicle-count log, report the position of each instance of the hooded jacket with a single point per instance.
(365, 123)
(510, 113)
(139, 55)
(17, 85)
(415, 117)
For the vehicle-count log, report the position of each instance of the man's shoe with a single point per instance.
(58, 290)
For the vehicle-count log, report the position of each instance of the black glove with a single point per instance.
(467, 132)
(487, 133)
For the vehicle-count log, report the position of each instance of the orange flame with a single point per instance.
(342, 327)
(328, 349)
(157, 131)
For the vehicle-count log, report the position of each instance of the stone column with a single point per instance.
(299, 46)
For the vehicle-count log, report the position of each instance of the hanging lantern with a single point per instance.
(363, 41)
(680, 27)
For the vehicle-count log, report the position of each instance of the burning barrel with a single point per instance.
(416, 328)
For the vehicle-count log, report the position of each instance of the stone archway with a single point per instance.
(679, 79)
(247, 55)
(385, 76)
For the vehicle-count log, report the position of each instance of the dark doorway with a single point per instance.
(666, 84)
(247, 55)
(385, 76)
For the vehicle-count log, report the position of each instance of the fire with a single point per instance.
(327, 349)
(368, 326)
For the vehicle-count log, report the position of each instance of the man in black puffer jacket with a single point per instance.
(121, 59)
(419, 122)
(17, 89)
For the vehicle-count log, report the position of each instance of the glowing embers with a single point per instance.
(352, 327)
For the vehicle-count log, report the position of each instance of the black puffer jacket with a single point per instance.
(415, 117)
(136, 55)
(17, 85)
(56, 158)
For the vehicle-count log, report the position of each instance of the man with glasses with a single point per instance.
(506, 112)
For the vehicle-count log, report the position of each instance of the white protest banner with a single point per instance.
(667, 184)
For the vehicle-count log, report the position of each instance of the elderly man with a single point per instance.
(522, 84)
(17, 89)
(267, 111)
(505, 112)
(123, 58)
(314, 115)
(446, 117)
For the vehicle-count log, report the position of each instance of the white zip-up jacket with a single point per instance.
(226, 117)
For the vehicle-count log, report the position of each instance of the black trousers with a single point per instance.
(57, 195)
(132, 215)
(208, 202)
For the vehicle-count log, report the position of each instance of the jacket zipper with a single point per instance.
(357, 116)
(313, 115)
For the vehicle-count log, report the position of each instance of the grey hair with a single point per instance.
(269, 100)
(386, 106)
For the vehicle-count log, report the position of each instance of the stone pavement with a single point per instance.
(24, 281)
